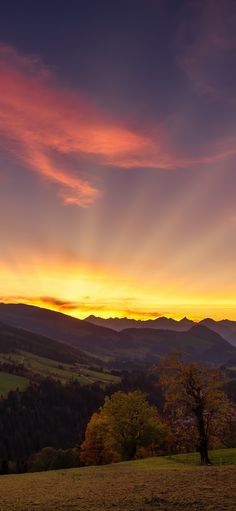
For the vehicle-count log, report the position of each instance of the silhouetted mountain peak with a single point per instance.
(186, 321)
(204, 331)
(206, 321)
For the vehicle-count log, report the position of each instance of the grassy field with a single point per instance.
(164, 484)
(218, 457)
(60, 371)
(11, 382)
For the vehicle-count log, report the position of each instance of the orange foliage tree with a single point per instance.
(125, 423)
(194, 398)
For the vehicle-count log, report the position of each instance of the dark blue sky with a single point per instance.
(110, 49)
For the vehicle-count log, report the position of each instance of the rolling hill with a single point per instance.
(15, 339)
(26, 356)
(55, 325)
(128, 348)
(199, 343)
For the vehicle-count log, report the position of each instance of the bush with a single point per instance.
(53, 459)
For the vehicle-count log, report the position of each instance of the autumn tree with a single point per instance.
(126, 422)
(194, 397)
(97, 448)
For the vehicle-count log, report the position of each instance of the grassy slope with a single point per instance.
(164, 484)
(218, 457)
(61, 371)
(11, 382)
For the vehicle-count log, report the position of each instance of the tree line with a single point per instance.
(177, 406)
(47, 413)
(196, 412)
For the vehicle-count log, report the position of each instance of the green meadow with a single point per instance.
(11, 382)
(46, 367)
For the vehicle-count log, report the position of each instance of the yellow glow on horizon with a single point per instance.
(83, 311)
(81, 289)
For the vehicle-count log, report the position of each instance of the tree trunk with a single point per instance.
(4, 467)
(203, 440)
(203, 449)
(129, 451)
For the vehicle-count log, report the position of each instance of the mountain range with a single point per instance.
(225, 328)
(130, 347)
(161, 323)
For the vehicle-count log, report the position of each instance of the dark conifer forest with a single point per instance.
(46, 414)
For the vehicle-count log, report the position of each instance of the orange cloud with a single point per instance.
(81, 308)
(49, 302)
(45, 127)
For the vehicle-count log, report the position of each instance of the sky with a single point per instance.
(118, 157)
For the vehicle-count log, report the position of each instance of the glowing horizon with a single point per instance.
(227, 312)
(117, 164)
(104, 293)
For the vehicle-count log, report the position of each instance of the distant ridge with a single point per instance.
(225, 327)
(138, 346)
(160, 323)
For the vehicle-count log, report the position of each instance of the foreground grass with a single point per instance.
(162, 483)
(217, 457)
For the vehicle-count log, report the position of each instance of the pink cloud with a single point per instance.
(45, 127)
(38, 119)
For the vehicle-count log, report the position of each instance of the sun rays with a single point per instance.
(122, 207)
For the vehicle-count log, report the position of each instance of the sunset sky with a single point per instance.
(118, 156)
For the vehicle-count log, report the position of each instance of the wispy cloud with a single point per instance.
(40, 122)
(52, 303)
(54, 132)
